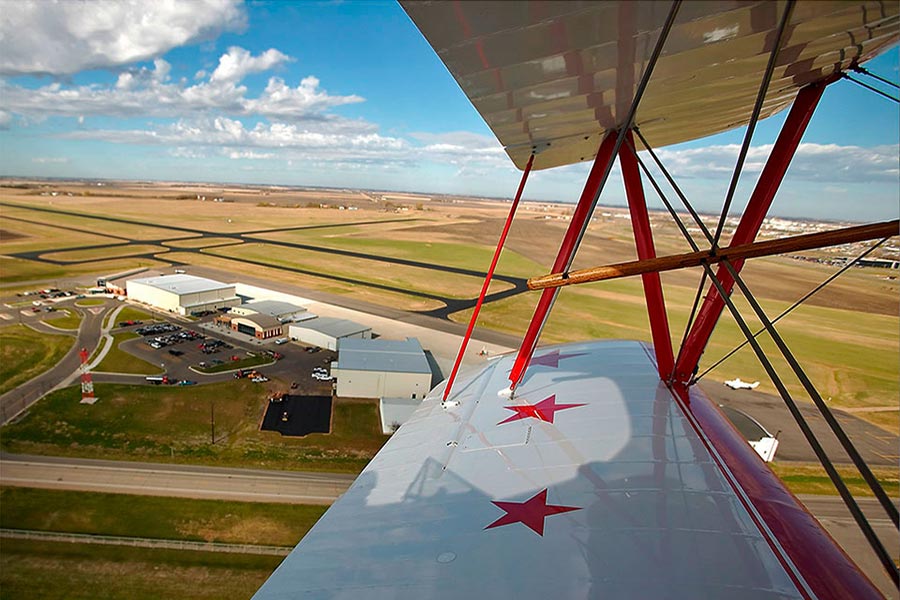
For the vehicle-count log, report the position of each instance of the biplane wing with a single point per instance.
(596, 469)
(551, 78)
(593, 482)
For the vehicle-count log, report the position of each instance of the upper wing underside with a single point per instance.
(553, 77)
(591, 483)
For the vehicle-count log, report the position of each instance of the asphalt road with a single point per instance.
(878, 446)
(182, 481)
(189, 481)
(15, 401)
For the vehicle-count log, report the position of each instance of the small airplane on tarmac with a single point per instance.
(738, 384)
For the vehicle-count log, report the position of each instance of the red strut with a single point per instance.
(760, 201)
(487, 278)
(566, 253)
(643, 239)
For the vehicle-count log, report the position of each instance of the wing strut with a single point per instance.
(487, 279)
(887, 228)
(760, 201)
(643, 239)
(589, 197)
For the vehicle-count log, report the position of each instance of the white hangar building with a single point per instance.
(381, 369)
(328, 332)
(182, 294)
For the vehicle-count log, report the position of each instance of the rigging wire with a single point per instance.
(836, 429)
(825, 411)
(870, 87)
(788, 310)
(685, 233)
(516, 378)
(885, 558)
(754, 118)
(865, 71)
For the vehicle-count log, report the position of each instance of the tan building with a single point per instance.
(262, 327)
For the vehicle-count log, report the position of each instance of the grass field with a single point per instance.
(32, 570)
(25, 353)
(383, 297)
(173, 518)
(120, 361)
(64, 319)
(22, 270)
(129, 313)
(812, 479)
(363, 271)
(172, 424)
(231, 365)
(91, 302)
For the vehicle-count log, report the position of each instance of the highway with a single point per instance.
(183, 481)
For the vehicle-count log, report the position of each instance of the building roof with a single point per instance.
(382, 355)
(397, 410)
(336, 328)
(261, 321)
(182, 284)
(274, 308)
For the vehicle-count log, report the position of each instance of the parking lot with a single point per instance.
(177, 347)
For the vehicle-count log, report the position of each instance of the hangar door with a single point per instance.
(246, 329)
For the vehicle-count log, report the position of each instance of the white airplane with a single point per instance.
(596, 469)
(738, 384)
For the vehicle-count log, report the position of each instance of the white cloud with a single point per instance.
(5, 120)
(147, 92)
(238, 63)
(250, 154)
(812, 162)
(50, 160)
(60, 38)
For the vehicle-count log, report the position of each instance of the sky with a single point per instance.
(348, 94)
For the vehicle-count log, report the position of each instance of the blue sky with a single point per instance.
(345, 94)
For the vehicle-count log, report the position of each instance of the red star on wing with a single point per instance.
(543, 410)
(530, 513)
(551, 360)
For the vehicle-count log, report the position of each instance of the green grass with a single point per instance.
(64, 319)
(231, 365)
(171, 424)
(61, 571)
(173, 518)
(91, 302)
(119, 361)
(21, 270)
(129, 313)
(25, 353)
(812, 479)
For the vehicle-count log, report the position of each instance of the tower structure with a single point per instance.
(87, 384)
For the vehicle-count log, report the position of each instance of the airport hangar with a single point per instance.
(397, 373)
(182, 294)
(327, 332)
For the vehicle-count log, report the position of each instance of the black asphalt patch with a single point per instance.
(298, 415)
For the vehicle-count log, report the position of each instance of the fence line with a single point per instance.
(115, 540)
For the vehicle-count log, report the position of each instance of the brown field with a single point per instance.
(847, 334)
